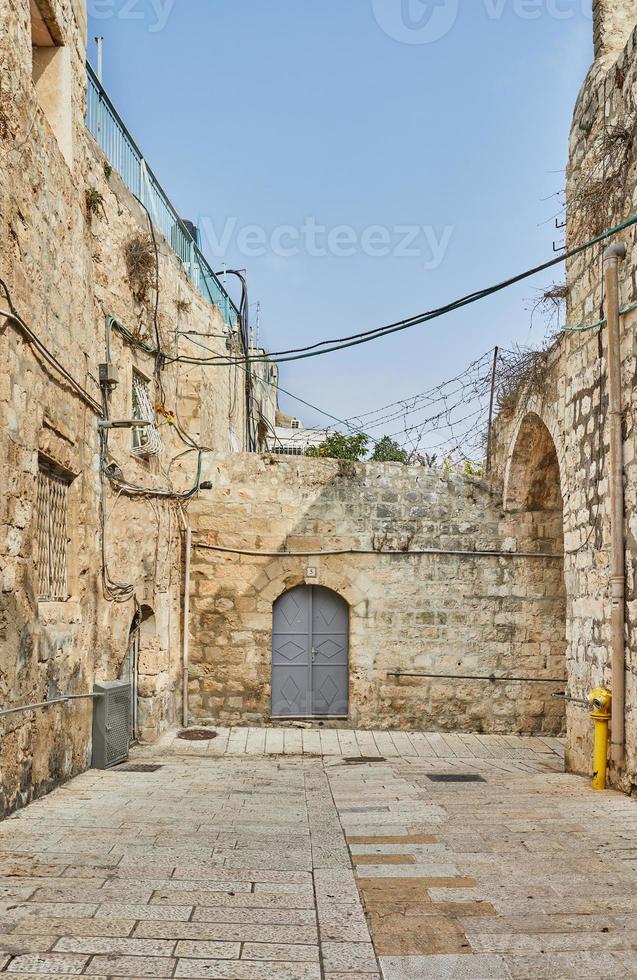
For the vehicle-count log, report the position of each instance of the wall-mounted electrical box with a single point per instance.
(108, 374)
(111, 723)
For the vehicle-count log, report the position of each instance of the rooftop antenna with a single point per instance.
(256, 339)
(100, 58)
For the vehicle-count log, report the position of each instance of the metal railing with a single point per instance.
(109, 130)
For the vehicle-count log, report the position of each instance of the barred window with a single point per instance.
(146, 441)
(283, 450)
(52, 541)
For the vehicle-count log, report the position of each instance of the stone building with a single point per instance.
(376, 536)
(340, 577)
(325, 590)
(97, 269)
(553, 439)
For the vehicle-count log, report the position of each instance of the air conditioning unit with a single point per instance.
(111, 723)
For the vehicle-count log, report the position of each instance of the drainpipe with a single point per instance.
(612, 256)
(186, 626)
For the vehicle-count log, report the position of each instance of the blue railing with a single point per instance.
(108, 128)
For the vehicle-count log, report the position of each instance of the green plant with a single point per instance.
(338, 446)
(94, 202)
(387, 450)
(473, 469)
(108, 171)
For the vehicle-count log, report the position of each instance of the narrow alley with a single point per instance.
(274, 854)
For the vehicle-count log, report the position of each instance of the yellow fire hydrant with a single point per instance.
(600, 701)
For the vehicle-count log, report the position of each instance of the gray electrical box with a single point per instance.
(111, 723)
(108, 374)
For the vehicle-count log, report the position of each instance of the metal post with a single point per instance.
(491, 405)
(612, 256)
(99, 41)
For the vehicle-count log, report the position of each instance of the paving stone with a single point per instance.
(569, 966)
(258, 916)
(74, 927)
(377, 859)
(131, 966)
(166, 913)
(243, 874)
(246, 970)
(396, 934)
(445, 967)
(352, 976)
(208, 950)
(400, 840)
(429, 870)
(227, 932)
(50, 963)
(119, 892)
(343, 923)
(12, 910)
(349, 957)
(285, 952)
(523, 848)
(306, 890)
(521, 943)
(18, 945)
(106, 944)
(257, 900)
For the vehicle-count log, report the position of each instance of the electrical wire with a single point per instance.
(342, 343)
(14, 317)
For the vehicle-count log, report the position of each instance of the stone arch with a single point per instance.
(535, 456)
(351, 587)
(534, 502)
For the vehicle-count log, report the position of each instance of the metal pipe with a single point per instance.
(480, 677)
(416, 553)
(612, 256)
(186, 626)
(46, 704)
(99, 41)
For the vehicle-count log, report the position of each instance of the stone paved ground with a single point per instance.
(230, 863)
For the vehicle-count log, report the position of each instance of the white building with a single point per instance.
(291, 438)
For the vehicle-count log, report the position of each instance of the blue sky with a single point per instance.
(262, 115)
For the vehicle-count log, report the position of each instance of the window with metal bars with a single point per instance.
(52, 540)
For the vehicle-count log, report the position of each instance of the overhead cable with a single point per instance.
(353, 340)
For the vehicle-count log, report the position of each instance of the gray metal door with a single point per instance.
(310, 632)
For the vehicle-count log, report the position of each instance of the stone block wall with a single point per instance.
(66, 269)
(442, 613)
(573, 402)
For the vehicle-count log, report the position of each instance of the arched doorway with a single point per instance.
(310, 654)
(534, 491)
(142, 625)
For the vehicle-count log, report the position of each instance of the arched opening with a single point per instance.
(533, 491)
(533, 482)
(142, 626)
(310, 654)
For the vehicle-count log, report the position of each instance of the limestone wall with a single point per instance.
(441, 613)
(66, 269)
(573, 399)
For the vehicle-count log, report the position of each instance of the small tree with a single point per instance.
(338, 446)
(387, 450)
